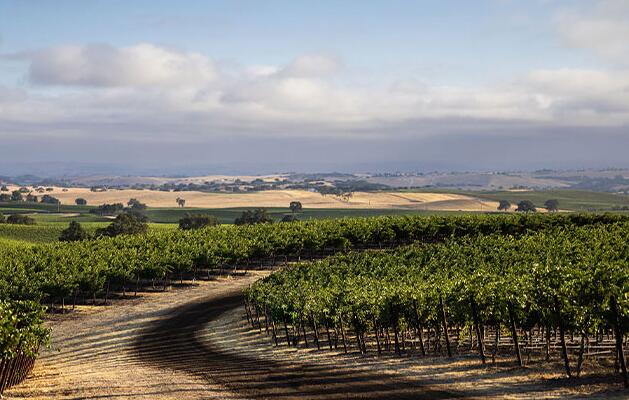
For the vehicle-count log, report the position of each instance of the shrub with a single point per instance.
(20, 219)
(73, 232)
(251, 217)
(47, 199)
(197, 221)
(124, 224)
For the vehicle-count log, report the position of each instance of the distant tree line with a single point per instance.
(527, 206)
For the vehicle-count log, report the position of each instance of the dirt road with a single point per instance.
(179, 342)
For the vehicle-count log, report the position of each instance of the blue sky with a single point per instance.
(449, 40)
(202, 72)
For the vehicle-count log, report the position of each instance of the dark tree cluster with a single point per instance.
(552, 205)
(197, 221)
(47, 199)
(251, 217)
(136, 205)
(504, 205)
(124, 224)
(74, 232)
(108, 209)
(295, 206)
(20, 219)
(526, 206)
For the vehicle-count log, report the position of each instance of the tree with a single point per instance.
(295, 206)
(551, 205)
(20, 219)
(80, 202)
(250, 217)
(16, 196)
(197, 221)
(181, 202)
(108, 209)
(124, 224)
(48, 199)
(136, 205)
(73, 232)
(5, 197)
(31, 197)
(504, 205)
(4, 188)
(526, 206)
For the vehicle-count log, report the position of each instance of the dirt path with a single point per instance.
(94, 353)
(182, 342)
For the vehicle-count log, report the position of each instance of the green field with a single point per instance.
(573, 200)
(569, 200)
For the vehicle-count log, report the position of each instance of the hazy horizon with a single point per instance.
(250, 87)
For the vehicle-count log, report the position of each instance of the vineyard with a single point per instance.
(60, 275)
(561, 293)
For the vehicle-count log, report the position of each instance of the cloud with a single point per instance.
(101, 65)
(600, 26)
(312, 65)
(147, 92)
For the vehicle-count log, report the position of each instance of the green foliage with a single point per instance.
(257, 216)
(20, 219)
(73, 233)
(563, 275)
(526, 206)
(80, 201)
(136, 205)
(16, 195)
(295, 206)
(21, 328)
(52, 272)
(108, 209)
(2, 218)
(48, 199)
(124, 224)
(197, 221)
(551, 205)
(289, 218)
(504, 205)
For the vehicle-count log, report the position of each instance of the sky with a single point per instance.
(166, 87)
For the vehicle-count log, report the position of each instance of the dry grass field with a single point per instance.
(281, 198)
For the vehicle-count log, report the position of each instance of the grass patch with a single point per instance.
(572, 200)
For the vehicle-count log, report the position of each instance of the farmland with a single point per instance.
(64, 274)
(427, 230)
